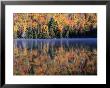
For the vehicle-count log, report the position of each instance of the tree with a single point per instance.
(52, 25)
(19, 32)
(34, 33)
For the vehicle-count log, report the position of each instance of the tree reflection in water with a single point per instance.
(55, 57)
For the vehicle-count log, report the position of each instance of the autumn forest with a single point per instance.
(54, 44)
(50, 25)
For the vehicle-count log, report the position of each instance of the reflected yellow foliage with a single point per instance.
(73, 62)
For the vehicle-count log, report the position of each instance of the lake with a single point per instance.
(38, 43)
(55, 56)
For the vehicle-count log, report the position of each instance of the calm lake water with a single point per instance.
(55, 56)
(65, 43)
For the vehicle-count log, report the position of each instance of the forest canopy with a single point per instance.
(54, 25)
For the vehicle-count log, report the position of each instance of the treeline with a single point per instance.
(51, 30)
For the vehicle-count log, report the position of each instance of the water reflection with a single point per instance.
(53, 44)
(55, 56)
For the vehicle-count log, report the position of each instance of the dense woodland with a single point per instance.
(54, 25)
